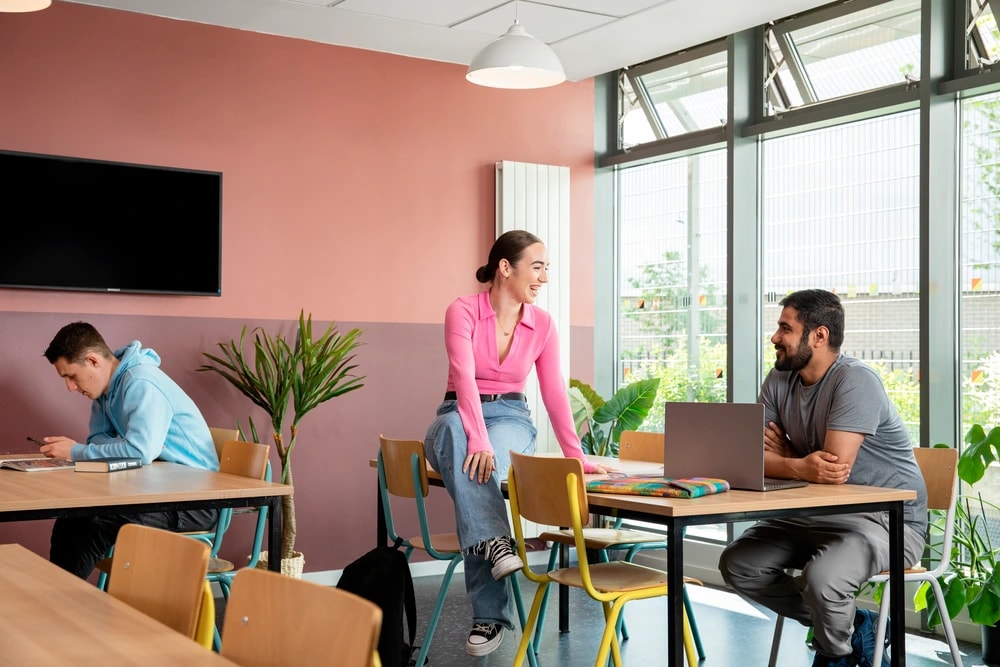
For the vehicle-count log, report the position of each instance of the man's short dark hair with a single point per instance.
(816, 308)
(74, 341)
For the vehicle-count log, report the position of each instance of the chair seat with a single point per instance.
(884, 574)
(602, 538)
(103, 565)
(616, 576)
(217, 565)
(446, 543)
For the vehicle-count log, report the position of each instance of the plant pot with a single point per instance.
(290, 567)
(991, 644)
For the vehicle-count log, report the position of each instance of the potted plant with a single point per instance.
(626, 411)
(973, 581)
(277, 373)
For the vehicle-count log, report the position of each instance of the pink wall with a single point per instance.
(357, 185)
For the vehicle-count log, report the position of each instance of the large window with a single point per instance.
(842, 50)
(841, 212)
(980, 263)
(672, 321)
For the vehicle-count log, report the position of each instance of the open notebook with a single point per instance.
(37, 464)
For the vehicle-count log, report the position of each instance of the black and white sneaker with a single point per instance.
(500, 552)
(484, 639)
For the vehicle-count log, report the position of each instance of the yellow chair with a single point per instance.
(162, 574)
(939, 467)
(632, 446)
(550, 491)
(277, 620)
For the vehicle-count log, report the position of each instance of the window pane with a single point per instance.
(841, 212)
(983, 37)
(682, 98)
(852, 53)
(980, 272)
(672, 283)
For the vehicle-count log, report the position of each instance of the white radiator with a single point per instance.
(535, 198)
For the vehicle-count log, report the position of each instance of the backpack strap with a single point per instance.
(409, 600)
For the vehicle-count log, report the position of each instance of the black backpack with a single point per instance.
(383, 576)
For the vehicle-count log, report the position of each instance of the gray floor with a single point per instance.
(734, 633)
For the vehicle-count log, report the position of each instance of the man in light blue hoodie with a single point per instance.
(138, 411)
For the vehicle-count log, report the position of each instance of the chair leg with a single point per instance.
(524, 648)
(515, 589)
(425, 645)
(883, 615)
(776, 641)
(553, 554)
(689, 615)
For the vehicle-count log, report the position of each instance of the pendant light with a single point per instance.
(23, 5)
(516, 60)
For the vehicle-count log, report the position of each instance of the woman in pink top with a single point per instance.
(493, 339)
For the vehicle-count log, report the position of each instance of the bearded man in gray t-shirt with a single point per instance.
(829, 421)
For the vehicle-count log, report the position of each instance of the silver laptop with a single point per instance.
(723, 440)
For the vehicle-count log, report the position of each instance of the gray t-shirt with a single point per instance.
(849, 397)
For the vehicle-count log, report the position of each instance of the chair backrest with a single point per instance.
(397, 459)
(247, 459)
(276, 620)
(640, 446)
(939, 466)
(160, 573)
(221, 436)
(545, 477)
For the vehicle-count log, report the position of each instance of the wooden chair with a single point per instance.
(402, 472)
(277, 620)
(219, 437)
(939, 467)
(550, 491)
(160, 573)
(632, 446)
(247, 459)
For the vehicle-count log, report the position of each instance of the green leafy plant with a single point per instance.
(973, 581)
(275, 374)
(600, 423)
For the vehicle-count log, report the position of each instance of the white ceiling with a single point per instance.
(591, 37)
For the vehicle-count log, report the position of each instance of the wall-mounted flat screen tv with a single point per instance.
(78, 224)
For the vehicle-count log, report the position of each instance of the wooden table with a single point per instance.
(51, 617)
(158, 487)
(676, 514)
(813, 500)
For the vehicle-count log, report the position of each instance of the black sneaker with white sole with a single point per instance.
(500, 552)
(484, 639)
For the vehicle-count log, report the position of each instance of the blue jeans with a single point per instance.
(480, 509)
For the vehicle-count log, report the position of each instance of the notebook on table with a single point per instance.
(649, 485)
(720, 440)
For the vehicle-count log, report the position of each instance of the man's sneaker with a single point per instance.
(499, 551)
(484, 639)
(863, 639)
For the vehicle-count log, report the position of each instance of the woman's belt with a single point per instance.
(488, 398)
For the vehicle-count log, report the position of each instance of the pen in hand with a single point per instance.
(35, 440)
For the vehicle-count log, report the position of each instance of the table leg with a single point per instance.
(563, 591)
(896, 601)
(274, 534)
(675, 601)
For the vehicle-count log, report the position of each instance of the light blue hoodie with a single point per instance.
(144, 413)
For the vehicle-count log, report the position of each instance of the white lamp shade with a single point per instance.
(516, 60)
(23, 5)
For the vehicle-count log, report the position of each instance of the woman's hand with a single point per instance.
(479, 466)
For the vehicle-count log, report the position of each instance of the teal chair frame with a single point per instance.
(418, 471)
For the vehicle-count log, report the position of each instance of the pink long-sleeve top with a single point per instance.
(474, 368)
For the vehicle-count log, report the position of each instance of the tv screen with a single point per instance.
(78, 224)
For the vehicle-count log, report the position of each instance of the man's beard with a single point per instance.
(799, 359)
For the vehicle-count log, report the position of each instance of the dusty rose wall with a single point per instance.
(357, 185)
